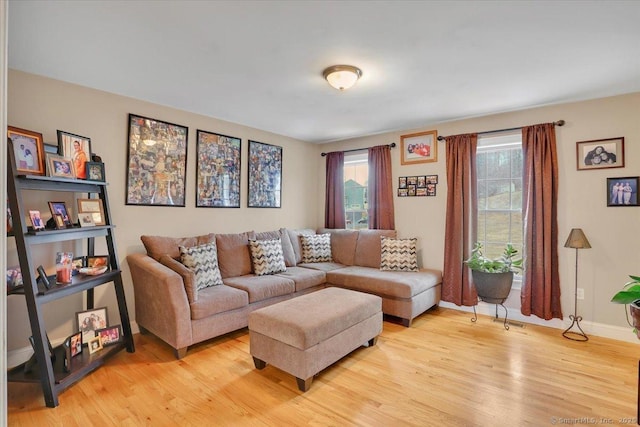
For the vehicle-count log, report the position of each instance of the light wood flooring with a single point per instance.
(443, 371)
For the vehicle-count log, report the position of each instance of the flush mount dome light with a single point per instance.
(342, 77)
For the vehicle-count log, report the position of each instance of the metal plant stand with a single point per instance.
(506, 314)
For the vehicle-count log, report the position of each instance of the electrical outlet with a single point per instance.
(580, 293)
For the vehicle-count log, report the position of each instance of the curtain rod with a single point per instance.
(393, 144)
(558, 123)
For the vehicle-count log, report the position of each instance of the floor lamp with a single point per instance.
(576, 240)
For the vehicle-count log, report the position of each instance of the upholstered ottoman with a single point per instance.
(304, 335)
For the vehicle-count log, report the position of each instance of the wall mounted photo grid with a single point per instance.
(421, 185)
(265, 175)
(218, 170)
(157, 162)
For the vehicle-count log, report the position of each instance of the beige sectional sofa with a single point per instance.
(168, 304)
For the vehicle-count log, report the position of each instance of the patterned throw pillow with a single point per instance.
(316, 247)
(399, 254)
(267, 256)
(203, 261)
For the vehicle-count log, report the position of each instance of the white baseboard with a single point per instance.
(590, 328)
(21, 355)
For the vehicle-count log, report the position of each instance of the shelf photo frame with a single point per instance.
(95, 208)
(28, 150)
(60, 208)
(157, 162)
(217, 170)
(94, 171)
(265, 175)
(60, 166)
(90, 321)
(600, 153)
(76, 148)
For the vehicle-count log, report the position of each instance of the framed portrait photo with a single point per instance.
(77, 148)
(419, 147)
(94, 344)
(622, 191)
(218, 170)
(36, 220)
(74, 342)
(60, 208)
(94, 171)
(600, 153)
(90, 321)
(157, 162)
(109, 336)
(93, 207)
(60, 166)
(28, 150)
(265, 175)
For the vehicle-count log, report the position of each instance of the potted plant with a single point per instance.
(630, 294)
(493, 277)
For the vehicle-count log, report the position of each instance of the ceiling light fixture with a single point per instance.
(342, 77)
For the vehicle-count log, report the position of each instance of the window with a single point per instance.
(499, 162)
(356, 176)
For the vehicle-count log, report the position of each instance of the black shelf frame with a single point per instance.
(50, 373)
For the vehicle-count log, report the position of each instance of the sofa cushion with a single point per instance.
(234, 258)
(316, 248)
(287, 247)
(218, 299)
(188, 276)
(343, 244)
(304, 278)
(322, 266)
(266, 256)
(294, 236)
(394, 284)
(157, 246)
(399, 254)
(368, 247)
(262, 287)
(203, 261)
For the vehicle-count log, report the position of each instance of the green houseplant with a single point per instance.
(630, 294)
(493, 277)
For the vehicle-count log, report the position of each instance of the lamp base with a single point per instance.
(572, 335)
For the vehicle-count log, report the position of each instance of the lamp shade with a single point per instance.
(342, 77)
(577, 240)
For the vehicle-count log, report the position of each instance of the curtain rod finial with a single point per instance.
(559, 123)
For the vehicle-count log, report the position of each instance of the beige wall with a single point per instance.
(612, 231)
(45, 105)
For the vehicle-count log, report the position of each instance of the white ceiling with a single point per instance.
(259, 63)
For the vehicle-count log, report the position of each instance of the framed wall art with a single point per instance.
(218, 170)
(600, 153)
(60, 166)
(77, 148)
(419, 148)
(157, 162)
(265, 175)
(622, 191)
(93, 207)
(28, 149)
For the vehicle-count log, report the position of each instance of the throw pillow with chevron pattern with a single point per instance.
(316, 247)
(267, 256)
(203, 261)
(399, 254)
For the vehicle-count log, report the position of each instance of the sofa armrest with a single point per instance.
(160, 301)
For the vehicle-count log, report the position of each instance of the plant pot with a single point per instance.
(494, 288)
(634, 309)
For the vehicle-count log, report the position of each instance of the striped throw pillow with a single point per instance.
(203, 261)
(267, 256)
(399, 254)
(316, 247)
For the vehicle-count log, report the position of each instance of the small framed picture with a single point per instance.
(600, 153)
(60, 166)
(76, 264)
(94, 344)
(86, 220)
(74, 342)
(60, 208)
(14, 278)
(110, 335)
(36, 220)
(94, 207)
(28, 149)
(431, 179)
(90, 321)
(98, 261)
(95, 171)
(421, 191)
(622, 191)
(419, 148)
(402, 182)
(59, 220)
(403, 192)
(422, 181)
(412, 180)
(431, 189)
(76, 148)
(411, 189)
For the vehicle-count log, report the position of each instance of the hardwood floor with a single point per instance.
(443, 371)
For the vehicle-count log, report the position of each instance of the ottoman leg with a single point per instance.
(303, 385)
(372, 341)
(260, 364)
